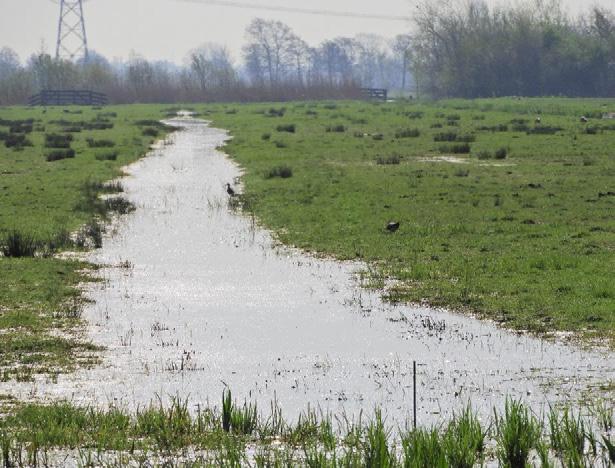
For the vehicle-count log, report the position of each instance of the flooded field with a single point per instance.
(197, 298)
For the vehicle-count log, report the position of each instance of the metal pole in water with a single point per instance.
(414, 387)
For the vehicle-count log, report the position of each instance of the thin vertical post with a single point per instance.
(414, 388)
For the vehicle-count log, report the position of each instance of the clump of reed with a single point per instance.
(58, 155)
(335, 129)
(388, 160)
(238, 435)
(17, 141)
(408, 133)
(119, 205)
(150, 132)
(289, 128)
(108, 156)
(273, 112)
(543, 130)
(283, 172)
(500, 153)
(53, 140)
(17, 244)
(460, 148)
(414, 115)
(92, 143)
(517, 433)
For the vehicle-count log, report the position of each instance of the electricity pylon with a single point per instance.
(72, 40)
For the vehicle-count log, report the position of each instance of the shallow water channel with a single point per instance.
(197, 298)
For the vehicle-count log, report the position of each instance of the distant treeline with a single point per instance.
(458, 48)
(276, 65)
(471, 50)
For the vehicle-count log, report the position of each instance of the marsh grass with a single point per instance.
(464, 440)
(570, 437)
(408, 133)
(31, 432)
(517, 433)
(544, 130)
(388, 160)
(283, 172)
(376, 449)
(110, 156)
(335, 129)
(92, 143)
(289, 128)
(54, 140)
(17, 244)
(445, 136)
(275, 112)
(119, 205)
(150, 132)
(461, 148)
(58, 155)
(423, 448)
(16, 141)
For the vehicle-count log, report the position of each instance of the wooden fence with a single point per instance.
(67, 97)
(374, 93)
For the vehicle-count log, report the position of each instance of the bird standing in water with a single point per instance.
(230, 190)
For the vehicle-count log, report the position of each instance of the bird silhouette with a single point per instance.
(230, 190)
(393, 226)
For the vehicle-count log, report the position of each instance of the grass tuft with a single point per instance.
(17, 244)
(284, 172)
(517, 433)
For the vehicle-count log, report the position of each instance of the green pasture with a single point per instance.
(513, 220)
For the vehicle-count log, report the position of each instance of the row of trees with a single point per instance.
(472, 50)
(459, 48)
(277, 64)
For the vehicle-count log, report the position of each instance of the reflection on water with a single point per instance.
(197, 298)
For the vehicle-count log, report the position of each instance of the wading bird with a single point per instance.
(393, 226)
(230, 190)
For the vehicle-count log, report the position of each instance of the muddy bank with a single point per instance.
(197, 298)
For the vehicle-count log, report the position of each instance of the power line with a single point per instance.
(305, 11)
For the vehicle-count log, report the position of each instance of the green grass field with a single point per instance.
(41, 203)
(520, 229)
(503, 216)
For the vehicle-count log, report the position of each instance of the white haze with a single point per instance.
(169, 29)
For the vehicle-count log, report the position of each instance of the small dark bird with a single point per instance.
(393, 226)
(538, 120)
(230, 190)
(584, 119)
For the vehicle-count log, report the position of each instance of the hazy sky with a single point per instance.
(168, 29)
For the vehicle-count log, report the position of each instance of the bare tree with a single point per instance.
(300, 54)
(402, 47)
(268, 46)
(212, 66)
